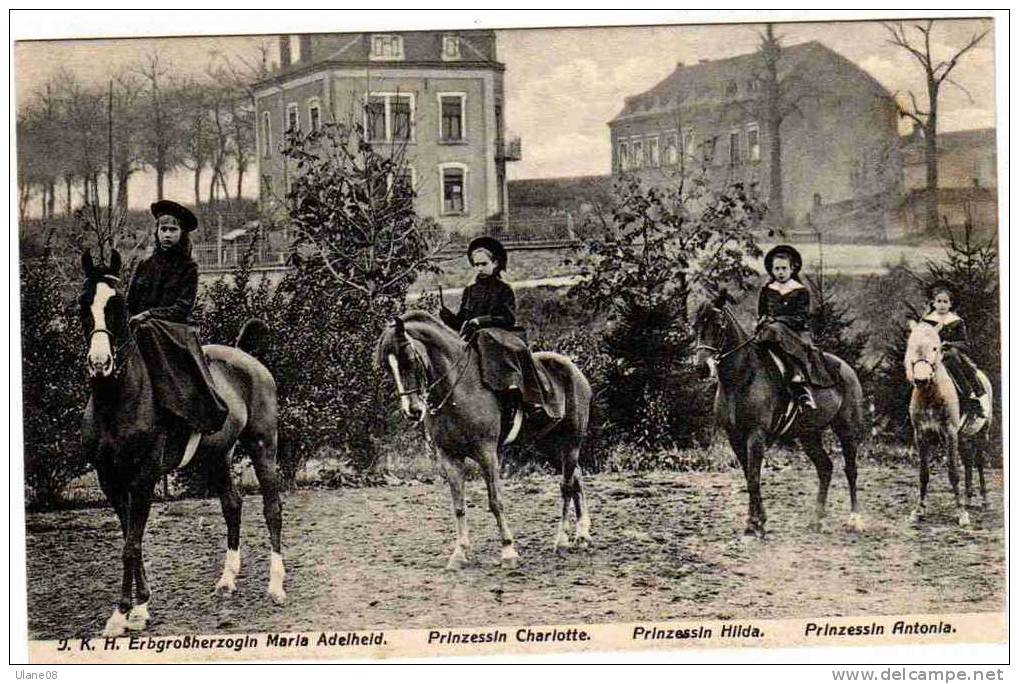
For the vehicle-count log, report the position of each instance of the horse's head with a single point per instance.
(103, 314)
(923, 353)
(407, 363)
(711, 327)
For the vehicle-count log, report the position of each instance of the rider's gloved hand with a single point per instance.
(469, 328)
(140, 318)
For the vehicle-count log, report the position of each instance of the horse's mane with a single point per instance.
(422, 326)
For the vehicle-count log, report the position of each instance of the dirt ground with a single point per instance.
(666, 546)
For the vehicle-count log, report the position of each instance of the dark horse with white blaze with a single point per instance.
(123, 439)
(439, 382)
(751, 402)
(934, 410)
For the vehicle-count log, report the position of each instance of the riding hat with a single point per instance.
(940, 286)
(187, 220)
(490, 245)
(787, 251)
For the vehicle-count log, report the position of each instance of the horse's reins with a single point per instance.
(720, 355)
(459, 366)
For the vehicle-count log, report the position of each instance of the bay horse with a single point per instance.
(934, 411)
(753, 407)
(124, 442)
(438, 381)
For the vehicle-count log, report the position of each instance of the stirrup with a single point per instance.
(805, 397)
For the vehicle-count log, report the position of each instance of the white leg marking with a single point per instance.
(231, 568)
(276, 575)
(457, 559)
(509, 556)
(964, 520)
(394, 366)
(855, 522)
(116, 625)
(562, 540)
(138, 618)
(584, 528)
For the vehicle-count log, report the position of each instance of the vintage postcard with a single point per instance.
(423, 340)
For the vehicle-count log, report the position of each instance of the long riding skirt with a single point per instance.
(782, 338)
(180, 377)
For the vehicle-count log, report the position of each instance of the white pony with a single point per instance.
(937, 419)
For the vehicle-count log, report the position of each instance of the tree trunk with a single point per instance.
(776, 201)
(24, 194)
(122, 179)
(240, 180)
(160, 173)
(198, 186)
(68, 201)
(931, 159)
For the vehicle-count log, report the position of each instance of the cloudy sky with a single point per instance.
(564, 85)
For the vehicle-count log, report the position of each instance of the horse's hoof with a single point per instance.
(815, 526)
(754, 531)
(562, 542)
(855, 523)
(138, 618)
(116, 625)
(458, 560)
(509, 557)
(278, 596)
(583, 541)
(964, 520)
(977, 504)
(916, 516)
(226, 586)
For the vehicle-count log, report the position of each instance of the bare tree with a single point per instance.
(240, 74)
(128, 132)
(197, 145)
(162, 111)
(780, 97)
(936, 72)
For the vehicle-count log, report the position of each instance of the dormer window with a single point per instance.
(386, 47)
(450, 48)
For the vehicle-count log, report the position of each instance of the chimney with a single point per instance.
(284, 52)
(679, 65)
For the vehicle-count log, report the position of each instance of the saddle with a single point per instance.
(527, 393)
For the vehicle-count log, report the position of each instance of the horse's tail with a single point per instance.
(254, 337)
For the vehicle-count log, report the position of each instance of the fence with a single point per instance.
(213, 257)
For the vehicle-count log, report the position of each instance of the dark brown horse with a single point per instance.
(938, 422)
(751, 404)
(124, 441)
(439, 382)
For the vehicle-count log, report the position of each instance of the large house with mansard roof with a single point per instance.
(840, 144)
(437, 93)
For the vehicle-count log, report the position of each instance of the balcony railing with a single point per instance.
(509, 149)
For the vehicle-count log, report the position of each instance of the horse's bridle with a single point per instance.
(115, 349)
(912, 367)
(421, 369)
(718, 354)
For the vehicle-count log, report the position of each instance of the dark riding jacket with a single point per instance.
(490, 300)
(952, 332)
(956, 353)
(791, 309)
(165, 285)
(788, 330)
